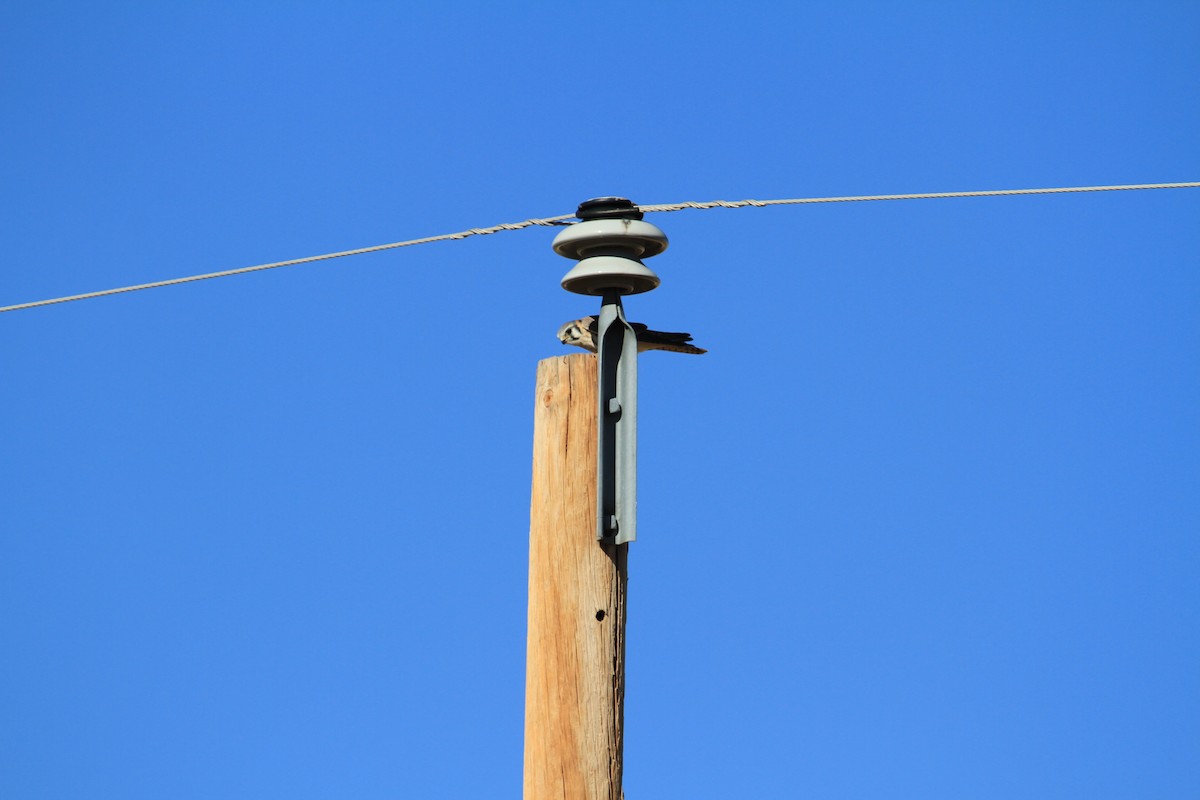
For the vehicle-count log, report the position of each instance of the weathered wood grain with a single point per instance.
(575, 668)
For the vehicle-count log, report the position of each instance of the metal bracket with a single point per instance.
(616, 350)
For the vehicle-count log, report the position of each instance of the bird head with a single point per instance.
(578, 333)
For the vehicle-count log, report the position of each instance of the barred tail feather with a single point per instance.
(674, 348)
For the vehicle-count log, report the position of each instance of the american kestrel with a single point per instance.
(582, 333)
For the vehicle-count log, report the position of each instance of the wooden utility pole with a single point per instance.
(575, 667)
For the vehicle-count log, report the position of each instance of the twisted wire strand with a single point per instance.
(563, 220)
(504, 226)
(924, 196)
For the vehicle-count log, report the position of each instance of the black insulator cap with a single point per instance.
(608, 208)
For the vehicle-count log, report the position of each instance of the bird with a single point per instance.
(582, 333)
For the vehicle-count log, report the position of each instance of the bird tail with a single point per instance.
(678, 348)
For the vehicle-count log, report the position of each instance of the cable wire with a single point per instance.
(562, 220)
(925, 196)
(506, 226)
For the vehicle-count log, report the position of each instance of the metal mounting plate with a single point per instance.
(616, 498)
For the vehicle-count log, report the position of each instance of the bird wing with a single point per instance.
(644, 334)
(658, 340)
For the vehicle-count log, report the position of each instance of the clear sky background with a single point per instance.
(923, 523)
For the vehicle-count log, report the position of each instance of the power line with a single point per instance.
(925, 196)
(561, 220)
(508, 226)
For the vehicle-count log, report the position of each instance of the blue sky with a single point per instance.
(923, 523)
